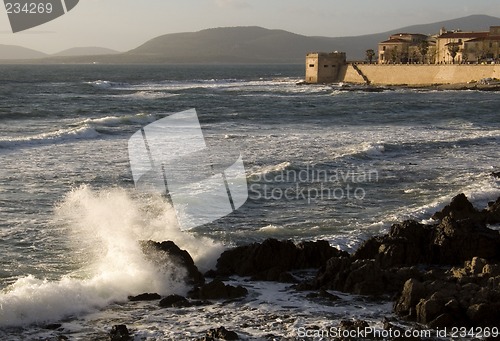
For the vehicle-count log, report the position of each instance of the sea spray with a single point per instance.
(104, 228)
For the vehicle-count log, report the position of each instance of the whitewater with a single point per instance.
(71, 217)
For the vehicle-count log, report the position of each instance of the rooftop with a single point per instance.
(452, 35)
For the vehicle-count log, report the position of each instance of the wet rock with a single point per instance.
(144, 297)
(271, 259)
(495, 175)
(119, 332)
(415, 260)
(167, 255)
(458, 241)
(216, 290)
(353, 325)
(428, 310)
(492, 212)
(451, 242)
(323, 294)
(361, 277)
(469, 296)
(413, 291)
(220, 333)
(174, 301)
(53, 326)
(459, 208)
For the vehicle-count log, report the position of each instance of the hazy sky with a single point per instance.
(125, 24)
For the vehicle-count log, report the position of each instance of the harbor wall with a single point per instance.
(417, 75)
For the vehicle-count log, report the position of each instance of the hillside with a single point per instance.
(255, 45)
(19, 53)
(85, 51)
(260, 45)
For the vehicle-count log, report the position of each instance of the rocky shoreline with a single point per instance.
(347, 87)
(444, 274)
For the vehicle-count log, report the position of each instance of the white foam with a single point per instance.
(102, 84)
(270, 169)
(370, 149)
(104, 228)
(82, 132)
(146, 95)
(112, 121)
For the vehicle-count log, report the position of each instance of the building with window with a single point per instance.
(404, 48)
(468, 47)
(324, 67)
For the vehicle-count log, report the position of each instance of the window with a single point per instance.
(383, 48)
(311, 65)
(325, 65)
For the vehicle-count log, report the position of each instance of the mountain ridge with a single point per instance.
(85, 51)
(254, 44)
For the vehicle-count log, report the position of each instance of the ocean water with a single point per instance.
(322, 162)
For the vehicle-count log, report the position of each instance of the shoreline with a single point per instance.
(444, 274)
(346, 86)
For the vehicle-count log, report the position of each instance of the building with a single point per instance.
(324, 67)
(468, 47)
(405, 48)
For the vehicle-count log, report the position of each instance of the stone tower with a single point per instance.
(324, 67)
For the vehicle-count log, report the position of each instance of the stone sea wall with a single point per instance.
(418, 75)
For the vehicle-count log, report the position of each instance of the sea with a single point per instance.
(322, 162)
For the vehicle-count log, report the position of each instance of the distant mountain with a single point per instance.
(260, 45)
(85, 51)
(257, 45)
(229, 45)
(18, 52)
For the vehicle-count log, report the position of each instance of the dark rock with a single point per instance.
(144, 297)
(270, 259)
(459, 208)
(495, 175)
(484, 314)
(220, 333)
(369, 249)
(450, 243)
(167, 253)
(119, 332)
(492, 212)
(218, 290)
(413, 291)
(361, 277)
(53, 326)
(469, 296)
(458, 241)
(323, 294)
(174, 301)
(353, 325)
(428, 310)
(442, 321)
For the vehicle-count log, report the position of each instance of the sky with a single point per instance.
(125, 24)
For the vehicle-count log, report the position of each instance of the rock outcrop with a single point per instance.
(167, 254)
(468, 296)
(144, 297)
(120, 332)
(272, 259)
(415, 261)
(216, 290)
(220, 333)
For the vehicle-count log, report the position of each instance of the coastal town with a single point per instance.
(467, 59)
(447, 47)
